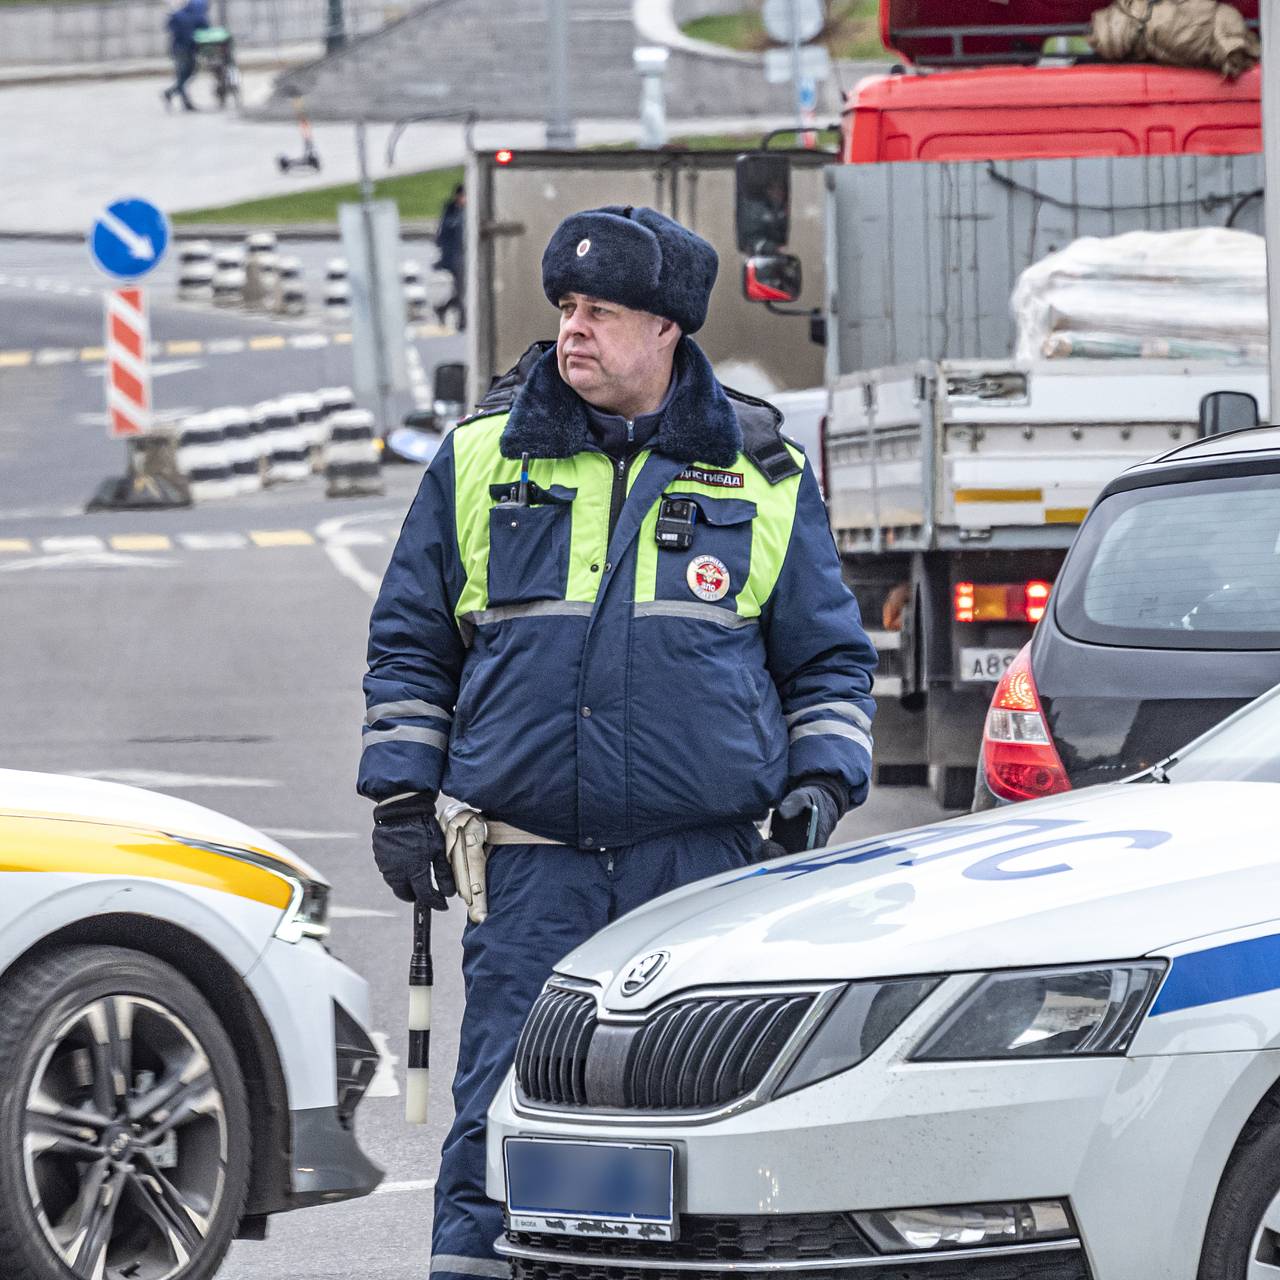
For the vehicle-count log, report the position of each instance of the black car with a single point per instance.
(1164, 618)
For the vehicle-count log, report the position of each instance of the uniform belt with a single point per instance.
(505, 833)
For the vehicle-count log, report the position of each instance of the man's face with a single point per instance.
(608, 353)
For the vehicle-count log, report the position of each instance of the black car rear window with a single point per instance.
(1194, 565)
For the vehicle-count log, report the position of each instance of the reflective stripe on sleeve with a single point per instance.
(406, 733)
(846, 709)
(406, 707)
(693, 609)
(534, 609)
(833, 729)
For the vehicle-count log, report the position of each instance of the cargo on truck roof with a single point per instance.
(949, 33)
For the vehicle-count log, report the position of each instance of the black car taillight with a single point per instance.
(356, 1062)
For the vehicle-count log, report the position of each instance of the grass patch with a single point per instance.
(419, 195)
(852, 30)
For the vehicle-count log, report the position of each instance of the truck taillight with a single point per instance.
(1018, 755)
(1000, 601)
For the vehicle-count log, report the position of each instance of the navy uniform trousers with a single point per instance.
(543, 901)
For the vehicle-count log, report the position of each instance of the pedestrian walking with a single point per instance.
(185, 19)
(614, 629)
(452, 244)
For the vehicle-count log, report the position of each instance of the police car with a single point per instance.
(1035, 1042)
(164, 994)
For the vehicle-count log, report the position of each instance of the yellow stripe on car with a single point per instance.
(45, 843)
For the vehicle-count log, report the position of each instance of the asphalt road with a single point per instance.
(226, 668)
(216, 653)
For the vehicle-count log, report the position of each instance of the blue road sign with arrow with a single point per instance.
(128, 238)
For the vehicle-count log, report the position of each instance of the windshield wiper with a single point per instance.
(1160, 772)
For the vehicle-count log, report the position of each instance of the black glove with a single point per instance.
(408, 847)
(815, 804)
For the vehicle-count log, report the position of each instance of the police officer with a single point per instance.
(614, 625)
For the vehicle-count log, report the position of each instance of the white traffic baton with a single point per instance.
(421, 979)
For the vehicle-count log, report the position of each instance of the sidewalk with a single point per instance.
(114, 138)
(133, 68)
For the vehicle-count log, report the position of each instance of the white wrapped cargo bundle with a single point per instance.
(1194, 294)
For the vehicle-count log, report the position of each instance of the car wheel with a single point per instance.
(1243, 1238)
(124, 1130)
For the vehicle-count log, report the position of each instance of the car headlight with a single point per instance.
(307, 915)
(859, 1021)
(1040, 1013)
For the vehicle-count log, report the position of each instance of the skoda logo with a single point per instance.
(643, 972)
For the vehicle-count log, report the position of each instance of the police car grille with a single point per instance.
(781, 1237)
(689, 1056)
(551, 1056)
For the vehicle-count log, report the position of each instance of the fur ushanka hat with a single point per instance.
(637, 257)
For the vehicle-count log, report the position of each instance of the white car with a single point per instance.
(181, 1055)
(1038, 1042)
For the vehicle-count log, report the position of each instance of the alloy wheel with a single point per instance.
(124, 1141)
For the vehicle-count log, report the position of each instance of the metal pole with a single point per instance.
(375, 284)
(795, 63)
(335, 35)
(560, 126)
(1271, 179)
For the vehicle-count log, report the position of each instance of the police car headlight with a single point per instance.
(307, 915)
(860, 1020)
(1042, 1013)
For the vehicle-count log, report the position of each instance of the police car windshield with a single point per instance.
(1243, 748)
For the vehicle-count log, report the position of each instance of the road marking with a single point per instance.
(309, 341)
(55, 355)
(224, 346)
(213, 541)
(281, 538)
(87, 560)
(9, 545)
(159, 778)
(55, 546)
(337, 538)
(384, 1083)
(141, 542)
(354, 913)
(341, 339)
(268, 342)
(14, 359)
(93, 353)
(183, 348)
(391, 1188)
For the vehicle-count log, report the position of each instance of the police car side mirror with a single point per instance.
(1227, 411)
(762, 202)
(771, 278)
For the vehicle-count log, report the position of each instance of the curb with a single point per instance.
(410, 229)
(35, 74)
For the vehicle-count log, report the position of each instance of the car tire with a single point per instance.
(1243, 1237)
(124, 1126)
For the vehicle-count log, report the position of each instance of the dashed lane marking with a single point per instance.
(64, 545)
(140, 542)
(281, 538)
(11, 546)
(213, 541)
(41, 356)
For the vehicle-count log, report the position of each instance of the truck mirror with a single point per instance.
(421, 420)
(762, 202)
(449, 390)
(1227, 411)
(771, 277)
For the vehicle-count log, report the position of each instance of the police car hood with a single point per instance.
(1108, 873)
(58, 795)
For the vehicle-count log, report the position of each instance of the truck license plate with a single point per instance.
(985, 664)
(591, 1188)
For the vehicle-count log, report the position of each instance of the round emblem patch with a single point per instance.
(584, 247)
(708, 578)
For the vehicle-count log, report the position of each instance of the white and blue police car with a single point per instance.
(1037, 1042)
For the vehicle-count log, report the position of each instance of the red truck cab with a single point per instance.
(972, 92)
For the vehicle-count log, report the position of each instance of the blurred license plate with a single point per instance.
(591, 1188)
(985, 664)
